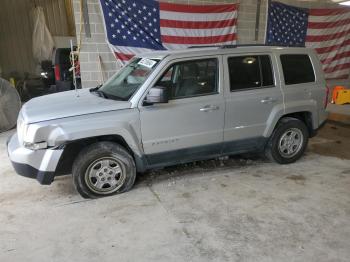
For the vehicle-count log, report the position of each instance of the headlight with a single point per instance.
(21, 127)
(35, 146)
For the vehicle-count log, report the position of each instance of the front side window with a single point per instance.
(128, 80)
(297, 69)
(247, 72)
(191, 78)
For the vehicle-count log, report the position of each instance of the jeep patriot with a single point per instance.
(169, 107)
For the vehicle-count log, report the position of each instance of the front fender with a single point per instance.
(124, 123)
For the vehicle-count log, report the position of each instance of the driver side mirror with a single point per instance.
(157, 94)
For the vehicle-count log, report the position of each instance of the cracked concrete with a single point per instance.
(237, 209)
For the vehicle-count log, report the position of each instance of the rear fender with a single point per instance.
(293, 107)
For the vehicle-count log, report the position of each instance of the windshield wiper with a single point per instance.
(99, 92)
(114, 97)
(95, 88)
(104, 95)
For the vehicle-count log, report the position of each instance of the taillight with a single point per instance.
(326, 98)
(57, 72)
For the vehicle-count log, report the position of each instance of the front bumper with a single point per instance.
(39, 164)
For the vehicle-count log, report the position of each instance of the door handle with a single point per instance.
(268, 100)
(209, 108)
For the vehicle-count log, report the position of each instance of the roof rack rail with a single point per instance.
(273, 45)
(204, 46)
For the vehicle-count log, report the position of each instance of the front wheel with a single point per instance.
(288, 141)
(103, 169)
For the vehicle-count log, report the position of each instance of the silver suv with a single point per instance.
(170, 107)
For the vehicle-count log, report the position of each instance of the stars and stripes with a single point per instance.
(136, 26)
(325, 30)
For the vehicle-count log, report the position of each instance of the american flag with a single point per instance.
(136, 26)
(325, 30)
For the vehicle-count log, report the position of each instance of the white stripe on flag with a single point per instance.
(133, 50)
(124, 53)
(340, 61)
(328, 43)
(197, 32)
(328, 18)
(178, 16)
(334, 52)
(328, 31)
(336, 74)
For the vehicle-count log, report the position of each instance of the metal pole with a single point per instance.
(267, 18)
(86, 18)
(73, 67)
(70, 17)
(257, 20)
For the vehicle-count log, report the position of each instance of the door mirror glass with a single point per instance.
(157, 94)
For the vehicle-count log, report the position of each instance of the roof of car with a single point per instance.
(215, 50)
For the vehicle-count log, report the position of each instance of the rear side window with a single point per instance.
(297, 69)
(247, 72)
(266, 70)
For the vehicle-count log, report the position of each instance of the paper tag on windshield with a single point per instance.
(147, 62)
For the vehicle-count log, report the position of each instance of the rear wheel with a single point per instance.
(288, 141)
(103, 169)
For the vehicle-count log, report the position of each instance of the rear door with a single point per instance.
(251, 96)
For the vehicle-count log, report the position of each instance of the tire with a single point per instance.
(283, 146)
(103, 169)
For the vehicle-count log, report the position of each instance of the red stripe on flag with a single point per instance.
(323, 50)
(339, 77)
(328, 12)
(197, 24)
(197, 8)
(336, 57)
(336, 68)
(123, 57)
(324, 25)
(198, 40)
(320, 38)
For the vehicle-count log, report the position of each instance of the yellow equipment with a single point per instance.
(342, 97)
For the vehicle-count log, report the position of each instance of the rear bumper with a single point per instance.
(322, 124)
(315, 131)
(39, 164)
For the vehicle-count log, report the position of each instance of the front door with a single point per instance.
(190, 126)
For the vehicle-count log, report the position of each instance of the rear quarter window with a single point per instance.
(297, 69)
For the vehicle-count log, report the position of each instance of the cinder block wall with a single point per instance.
(96, 44)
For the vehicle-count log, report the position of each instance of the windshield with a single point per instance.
(128, 80)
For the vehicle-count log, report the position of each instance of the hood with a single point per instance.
(66, 104)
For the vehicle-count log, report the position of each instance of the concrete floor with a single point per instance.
(232, 210)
